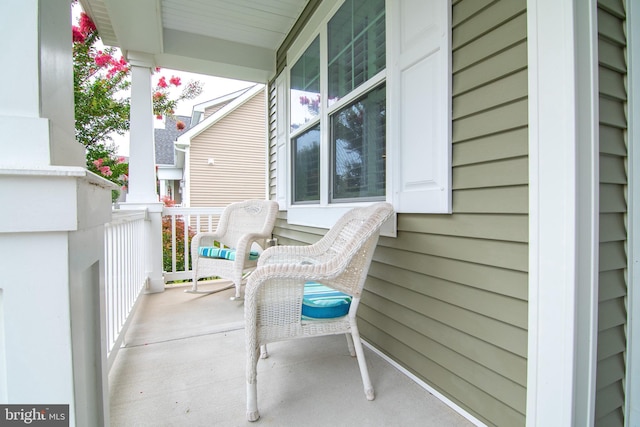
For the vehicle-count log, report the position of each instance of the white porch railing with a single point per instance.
(182, 223)
(125, 276)
(125, 249)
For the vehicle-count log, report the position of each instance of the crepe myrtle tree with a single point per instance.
(102, 82)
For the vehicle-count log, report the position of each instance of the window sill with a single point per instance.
(327, 216)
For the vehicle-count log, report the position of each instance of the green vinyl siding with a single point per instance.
(447, 298)
(612, 313)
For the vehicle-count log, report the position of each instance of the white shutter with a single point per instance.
(419, 97)
(282, 169)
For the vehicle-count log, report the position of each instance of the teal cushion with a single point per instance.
(323, 302)
(230, 254)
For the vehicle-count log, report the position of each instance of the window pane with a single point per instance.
(305, 86)
(358, 148)
(306, 166)
(357, 51)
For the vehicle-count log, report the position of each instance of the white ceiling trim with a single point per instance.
(233, 39)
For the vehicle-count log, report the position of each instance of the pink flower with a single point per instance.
(103, 59)
(78, 37)
(174, 80)
(121, 159)
(118, 66)
(180, 125)
(159, 116)
(86, 24)
(157, 95)
(106, 171)
(158, 69)
(162, 82)
(98, 162)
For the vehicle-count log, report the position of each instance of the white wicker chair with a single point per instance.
(241, 225)
(274, 292)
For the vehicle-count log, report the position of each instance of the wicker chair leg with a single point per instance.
(252, 380)
(237, 296)
(362, 363)
(263, 352)
(252, 401)
(352, 350)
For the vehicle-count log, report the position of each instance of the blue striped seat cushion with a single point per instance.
(323, 302)
(230, 254)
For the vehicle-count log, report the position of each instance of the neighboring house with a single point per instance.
(219, 156)
(167, 159)
(223, 154)
(505, 133)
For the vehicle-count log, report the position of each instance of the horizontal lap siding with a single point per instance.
(447, 298)
(237, 144)
(612, 313)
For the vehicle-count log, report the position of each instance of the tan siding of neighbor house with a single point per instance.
(447, 298)
(214, 109)
(612, 314)
(237, 143)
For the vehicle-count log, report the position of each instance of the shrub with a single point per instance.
(180, 240)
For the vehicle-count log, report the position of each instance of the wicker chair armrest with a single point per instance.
(204, 239)
(245, 242)
(290, 255)
(297, 268)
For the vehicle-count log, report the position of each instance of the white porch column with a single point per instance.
(142, 164)
(142, 192)
(51, 224)
(563, 212)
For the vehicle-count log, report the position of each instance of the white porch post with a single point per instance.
(142, 193)
(563, 212)
(51, 224)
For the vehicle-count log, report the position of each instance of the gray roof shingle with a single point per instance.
(164, 139)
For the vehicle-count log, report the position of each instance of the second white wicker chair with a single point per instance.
(275, 291)
(241, 225)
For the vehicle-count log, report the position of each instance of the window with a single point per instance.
(350, 116)
(369, 110)
(305, 87)
(306, 148)
(358, 148)
(356, 45)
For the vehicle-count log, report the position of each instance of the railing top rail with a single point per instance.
(122, 216)
(177, 210)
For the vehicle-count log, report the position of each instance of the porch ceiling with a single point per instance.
(235, 39)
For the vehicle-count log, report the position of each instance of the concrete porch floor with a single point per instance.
(183, 364)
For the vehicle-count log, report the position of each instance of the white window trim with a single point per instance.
(632, 417)
(419, 190)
